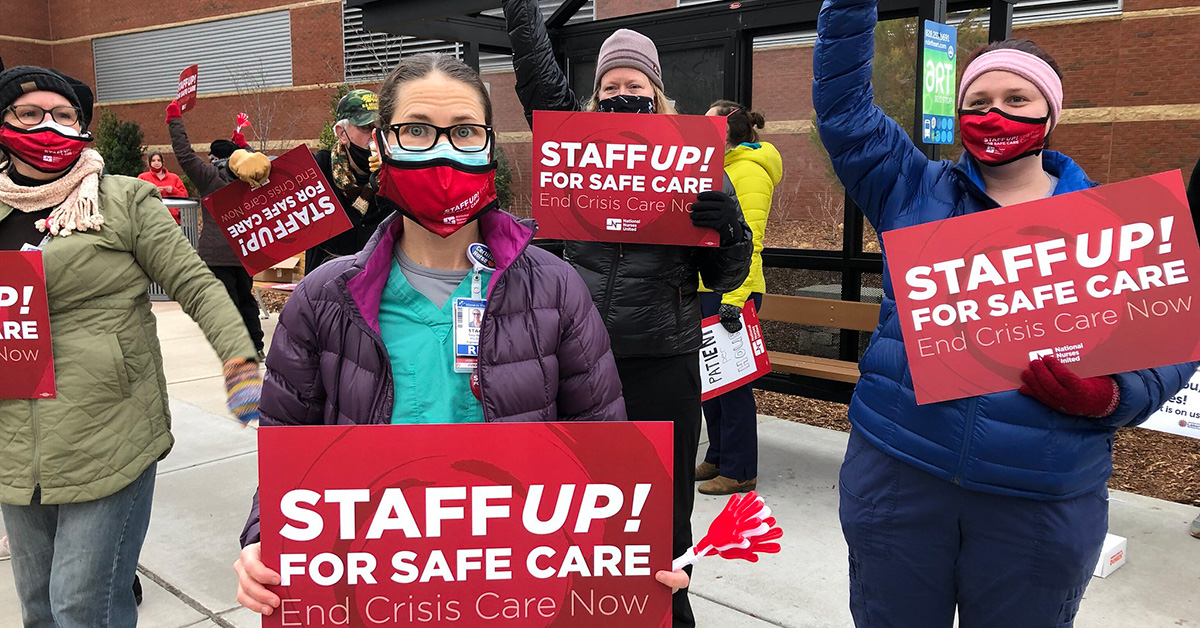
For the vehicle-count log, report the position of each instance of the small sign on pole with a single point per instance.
(939, 75)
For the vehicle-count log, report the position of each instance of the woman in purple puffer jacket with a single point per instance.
(371, 339)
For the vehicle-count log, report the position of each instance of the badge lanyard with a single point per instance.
(468, 312)
(25, 248)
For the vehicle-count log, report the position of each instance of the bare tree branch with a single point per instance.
(272, 125)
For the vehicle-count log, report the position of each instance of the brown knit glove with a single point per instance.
(253, 168)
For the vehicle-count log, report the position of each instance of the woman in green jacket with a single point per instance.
(755, 168)
(77, 471)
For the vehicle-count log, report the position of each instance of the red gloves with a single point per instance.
(1053, 384)
(239, 139)
(173, 111)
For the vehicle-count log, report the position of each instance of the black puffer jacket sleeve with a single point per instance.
(725, 268)
(205, 176)
(541, 84)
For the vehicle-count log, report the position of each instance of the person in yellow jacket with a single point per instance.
(755, 167)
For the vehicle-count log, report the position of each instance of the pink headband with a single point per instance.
(1023, 64)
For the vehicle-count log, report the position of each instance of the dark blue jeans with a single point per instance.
(732, 418)
(920, 547)
(74, 564)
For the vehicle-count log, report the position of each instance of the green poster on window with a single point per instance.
(939, 75)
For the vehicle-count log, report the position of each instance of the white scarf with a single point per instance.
(74, 197)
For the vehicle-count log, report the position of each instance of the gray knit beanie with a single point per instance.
(629, 49)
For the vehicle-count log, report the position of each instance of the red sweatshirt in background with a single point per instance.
(171, 186)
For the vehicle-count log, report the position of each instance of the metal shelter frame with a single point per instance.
(732, 25)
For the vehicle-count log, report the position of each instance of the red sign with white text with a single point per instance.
(26, 355)
(520, 525)
(729, 361)
(1103, 279)
(295, 210)
(620, 177)
(185, 93)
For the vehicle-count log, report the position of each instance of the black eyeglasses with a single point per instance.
(30, 115)
(418, 136)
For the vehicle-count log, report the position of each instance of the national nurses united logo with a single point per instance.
(1065, 354)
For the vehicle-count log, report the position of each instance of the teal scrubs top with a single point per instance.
(419, 337)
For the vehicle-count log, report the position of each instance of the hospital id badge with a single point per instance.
(468, 318)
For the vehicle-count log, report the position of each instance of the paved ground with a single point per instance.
(204, 489)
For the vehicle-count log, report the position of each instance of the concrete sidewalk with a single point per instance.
(204, 488)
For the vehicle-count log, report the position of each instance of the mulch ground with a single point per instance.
(1146, 462)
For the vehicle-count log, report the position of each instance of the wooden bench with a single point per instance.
(818, 313)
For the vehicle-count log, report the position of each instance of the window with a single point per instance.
(147, 64)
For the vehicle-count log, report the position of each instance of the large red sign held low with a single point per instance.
(185, 93)
(26, 355)
(1104, 279)
(613, 177)
(295, 210)
(520, 525)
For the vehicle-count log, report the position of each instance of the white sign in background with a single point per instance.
(729, 360)
(1181, 414)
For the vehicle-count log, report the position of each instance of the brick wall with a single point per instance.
(317, 45)
(509, 115)
(783, 83)
(1141, 148)
(617, 8)
(75, 59)
(25, 18)
(80, 18)
(1149, 5)
(16, 53)
(1124, 62)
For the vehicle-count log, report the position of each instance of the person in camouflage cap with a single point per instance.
(348, 166)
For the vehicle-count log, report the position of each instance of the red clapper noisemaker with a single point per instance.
(744, 529)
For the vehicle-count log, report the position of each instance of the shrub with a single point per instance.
(120, 143)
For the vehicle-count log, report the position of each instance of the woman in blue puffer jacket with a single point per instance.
(995, 504)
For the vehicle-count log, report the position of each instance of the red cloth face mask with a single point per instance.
(441, 195)
(46, 148)
(996, 138)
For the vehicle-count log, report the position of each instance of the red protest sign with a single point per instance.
(728, 361)
(1100, 279)
(611, 177)
(185, 93)
(521, 525)
(295, 210)
(26, 355)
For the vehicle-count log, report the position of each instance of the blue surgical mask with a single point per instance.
(442, 150)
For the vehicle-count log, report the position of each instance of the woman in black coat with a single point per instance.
(646, 294)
